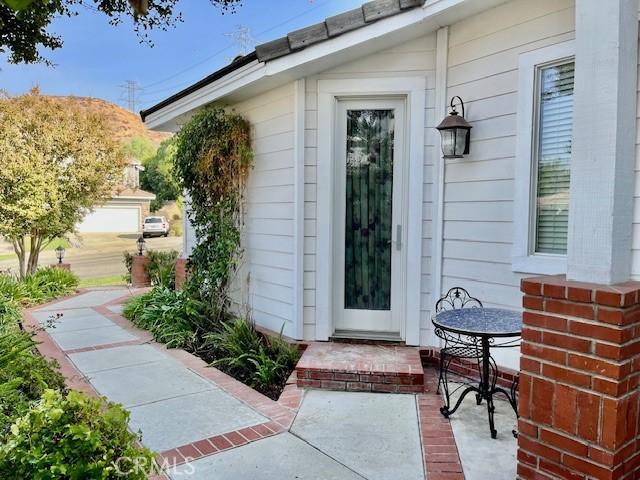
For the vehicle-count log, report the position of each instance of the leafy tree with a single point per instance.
(158, 176)
(24, 23)
(140, 148)
(58, 161)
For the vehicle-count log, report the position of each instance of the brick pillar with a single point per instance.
(579, 373)
(63, 266)
(139, 272)
(181, 272)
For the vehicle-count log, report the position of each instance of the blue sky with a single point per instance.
(97, 58)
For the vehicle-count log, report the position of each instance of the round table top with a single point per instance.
(481, 322)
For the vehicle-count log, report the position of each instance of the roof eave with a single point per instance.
(249, 70)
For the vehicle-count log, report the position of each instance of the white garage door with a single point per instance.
(110, 219)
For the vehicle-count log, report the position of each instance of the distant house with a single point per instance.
(126, 209)
(356, 224)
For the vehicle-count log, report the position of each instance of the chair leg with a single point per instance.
(440, 378)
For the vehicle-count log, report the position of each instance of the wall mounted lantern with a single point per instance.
(59, 253)
(455, 132)
(140, 243)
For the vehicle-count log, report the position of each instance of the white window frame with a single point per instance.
(524, 259)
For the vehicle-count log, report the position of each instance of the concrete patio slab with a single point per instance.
(43, 315)
(275, 458)
(201, 415)
(373, 434)
(149, 382)
(108, 359)
(72, 320)
(88, 299)
(483, 457)
(92, 337)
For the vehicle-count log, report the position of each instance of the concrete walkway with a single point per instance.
(206, 425)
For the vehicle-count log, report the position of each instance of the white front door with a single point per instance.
(368, 218)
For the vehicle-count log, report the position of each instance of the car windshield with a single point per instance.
(153, 220)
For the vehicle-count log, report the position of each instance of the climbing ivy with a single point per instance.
(212, 162)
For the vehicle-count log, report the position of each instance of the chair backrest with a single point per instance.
(457, 297)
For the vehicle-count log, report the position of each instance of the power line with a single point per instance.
(224, 49)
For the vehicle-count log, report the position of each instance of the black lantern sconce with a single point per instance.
(59, 253)
(455, 132)
(140, 244)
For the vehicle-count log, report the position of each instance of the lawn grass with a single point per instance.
(109, 281)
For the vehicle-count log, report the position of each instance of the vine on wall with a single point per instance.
(212, 162)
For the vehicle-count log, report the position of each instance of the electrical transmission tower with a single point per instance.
(130, 94)
(242, 38)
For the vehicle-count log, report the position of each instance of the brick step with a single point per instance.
(361, 368)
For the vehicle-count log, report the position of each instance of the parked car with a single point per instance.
(155, 227)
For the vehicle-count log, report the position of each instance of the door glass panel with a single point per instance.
(369, 190)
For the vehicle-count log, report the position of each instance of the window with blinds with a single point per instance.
(552, 157)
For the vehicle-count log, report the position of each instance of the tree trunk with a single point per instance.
(18, 247)
(34, 252)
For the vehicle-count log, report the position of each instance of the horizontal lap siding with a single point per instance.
(264, 284)
(479, 189)
(413, 58)
(635, 252)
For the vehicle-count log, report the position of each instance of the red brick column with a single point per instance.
(63, 266)
(139, 272)
(580, 368)
(181, 272)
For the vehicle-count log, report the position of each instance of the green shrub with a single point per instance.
(162, 268)
(73, 437)
(134, 307)
(171, 316)
(234, 345)
(11, 289)
(10, 316)
(128, 262)
(263, 363)
(43, 285)
(24, 374)
(49, 283)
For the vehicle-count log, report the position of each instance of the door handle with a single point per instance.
(398, 237)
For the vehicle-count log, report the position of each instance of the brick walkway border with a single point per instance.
(440, 453)
(441, 458)
(280, 414)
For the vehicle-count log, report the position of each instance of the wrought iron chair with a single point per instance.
(456, 346)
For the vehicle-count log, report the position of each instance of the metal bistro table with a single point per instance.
(483, 328)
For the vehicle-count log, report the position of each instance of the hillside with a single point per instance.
(125, 123)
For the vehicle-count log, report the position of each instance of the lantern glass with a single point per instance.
(461, 141)
(59, 253)
(140, 243)
(448, 142)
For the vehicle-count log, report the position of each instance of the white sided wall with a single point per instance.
(478, 214)
(479, 188)
(414, 58)
(265, 281)
(635, 252)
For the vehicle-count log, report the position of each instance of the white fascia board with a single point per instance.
(237, 79)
